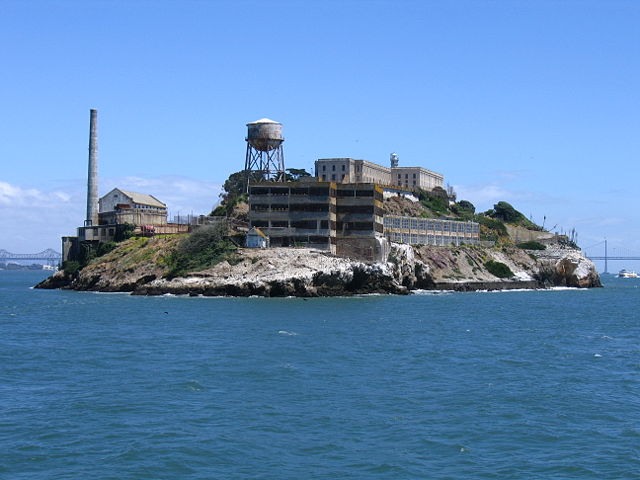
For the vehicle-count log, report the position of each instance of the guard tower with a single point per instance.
(265, 156)
(395, 160)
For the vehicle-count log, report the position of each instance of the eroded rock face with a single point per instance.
(575, 270)
(282, 272)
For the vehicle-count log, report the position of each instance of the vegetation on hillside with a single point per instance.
(531, 245)
(503, 211)
(498, 269)
(234, 189)
(203, 248)
(89, 251)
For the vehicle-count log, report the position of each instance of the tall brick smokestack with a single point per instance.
(92, 180)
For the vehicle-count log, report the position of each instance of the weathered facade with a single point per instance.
(345, 219)
(120, 206)
(416, 177)
(349, 170)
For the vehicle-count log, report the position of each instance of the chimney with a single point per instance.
(92, 180)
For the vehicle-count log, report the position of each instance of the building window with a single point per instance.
(333, 168)
(406, 175)
(343, 175)
(399, 177)
(414, 175)
(343, 168)
(324, 177)
(333, 176)
(324, 168)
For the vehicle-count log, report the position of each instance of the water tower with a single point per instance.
(265, 156)
(395, 160)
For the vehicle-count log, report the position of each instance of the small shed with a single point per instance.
(256, 238)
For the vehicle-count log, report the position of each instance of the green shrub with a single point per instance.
(124, 231)
(104, 248)
(531, 245)
(505, 212)
(435, 200)
(492, 228)
(498, 269)
(464, 209)
(70, 267)
(205, 247)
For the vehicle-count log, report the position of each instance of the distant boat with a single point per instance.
(627, 274)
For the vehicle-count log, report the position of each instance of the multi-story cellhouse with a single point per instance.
(349, 170)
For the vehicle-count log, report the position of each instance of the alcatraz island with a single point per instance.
(353, 227)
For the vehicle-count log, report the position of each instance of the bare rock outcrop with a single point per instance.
(276, 272)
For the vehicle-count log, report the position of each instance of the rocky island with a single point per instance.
(207, 263)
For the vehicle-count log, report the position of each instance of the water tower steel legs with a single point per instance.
(268, 165)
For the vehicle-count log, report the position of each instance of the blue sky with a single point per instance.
(536, 103)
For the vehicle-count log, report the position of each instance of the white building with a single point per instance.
(120, 206)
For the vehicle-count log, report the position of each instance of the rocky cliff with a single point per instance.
(138, 266)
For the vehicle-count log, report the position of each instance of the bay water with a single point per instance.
(484, 385)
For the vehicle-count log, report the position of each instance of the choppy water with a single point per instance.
(460, 385)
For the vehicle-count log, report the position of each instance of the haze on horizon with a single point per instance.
(534, 103)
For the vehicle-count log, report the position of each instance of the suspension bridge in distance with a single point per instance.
(610, 253)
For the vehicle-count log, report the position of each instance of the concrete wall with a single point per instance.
(134, 216)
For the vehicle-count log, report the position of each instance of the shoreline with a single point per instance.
(285, 272)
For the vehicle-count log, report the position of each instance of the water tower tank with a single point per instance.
(264, 134)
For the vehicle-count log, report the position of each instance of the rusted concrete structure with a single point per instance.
(295, 213)
(345, 219)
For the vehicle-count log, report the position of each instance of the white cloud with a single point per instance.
(17, 196)
(34, 219)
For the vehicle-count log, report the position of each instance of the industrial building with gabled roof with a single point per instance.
(121, 206)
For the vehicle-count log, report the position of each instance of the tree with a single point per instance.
(505, 212)
(464, 208)
(295, 174)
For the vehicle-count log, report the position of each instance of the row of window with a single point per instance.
(333, 168)
(414, 239)
(421, 224)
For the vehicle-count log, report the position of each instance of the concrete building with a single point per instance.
(295, 213)
(416, 177)
(349, 170)
(359, 222)
(120, 206)
(429, 231)
(345, 219)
